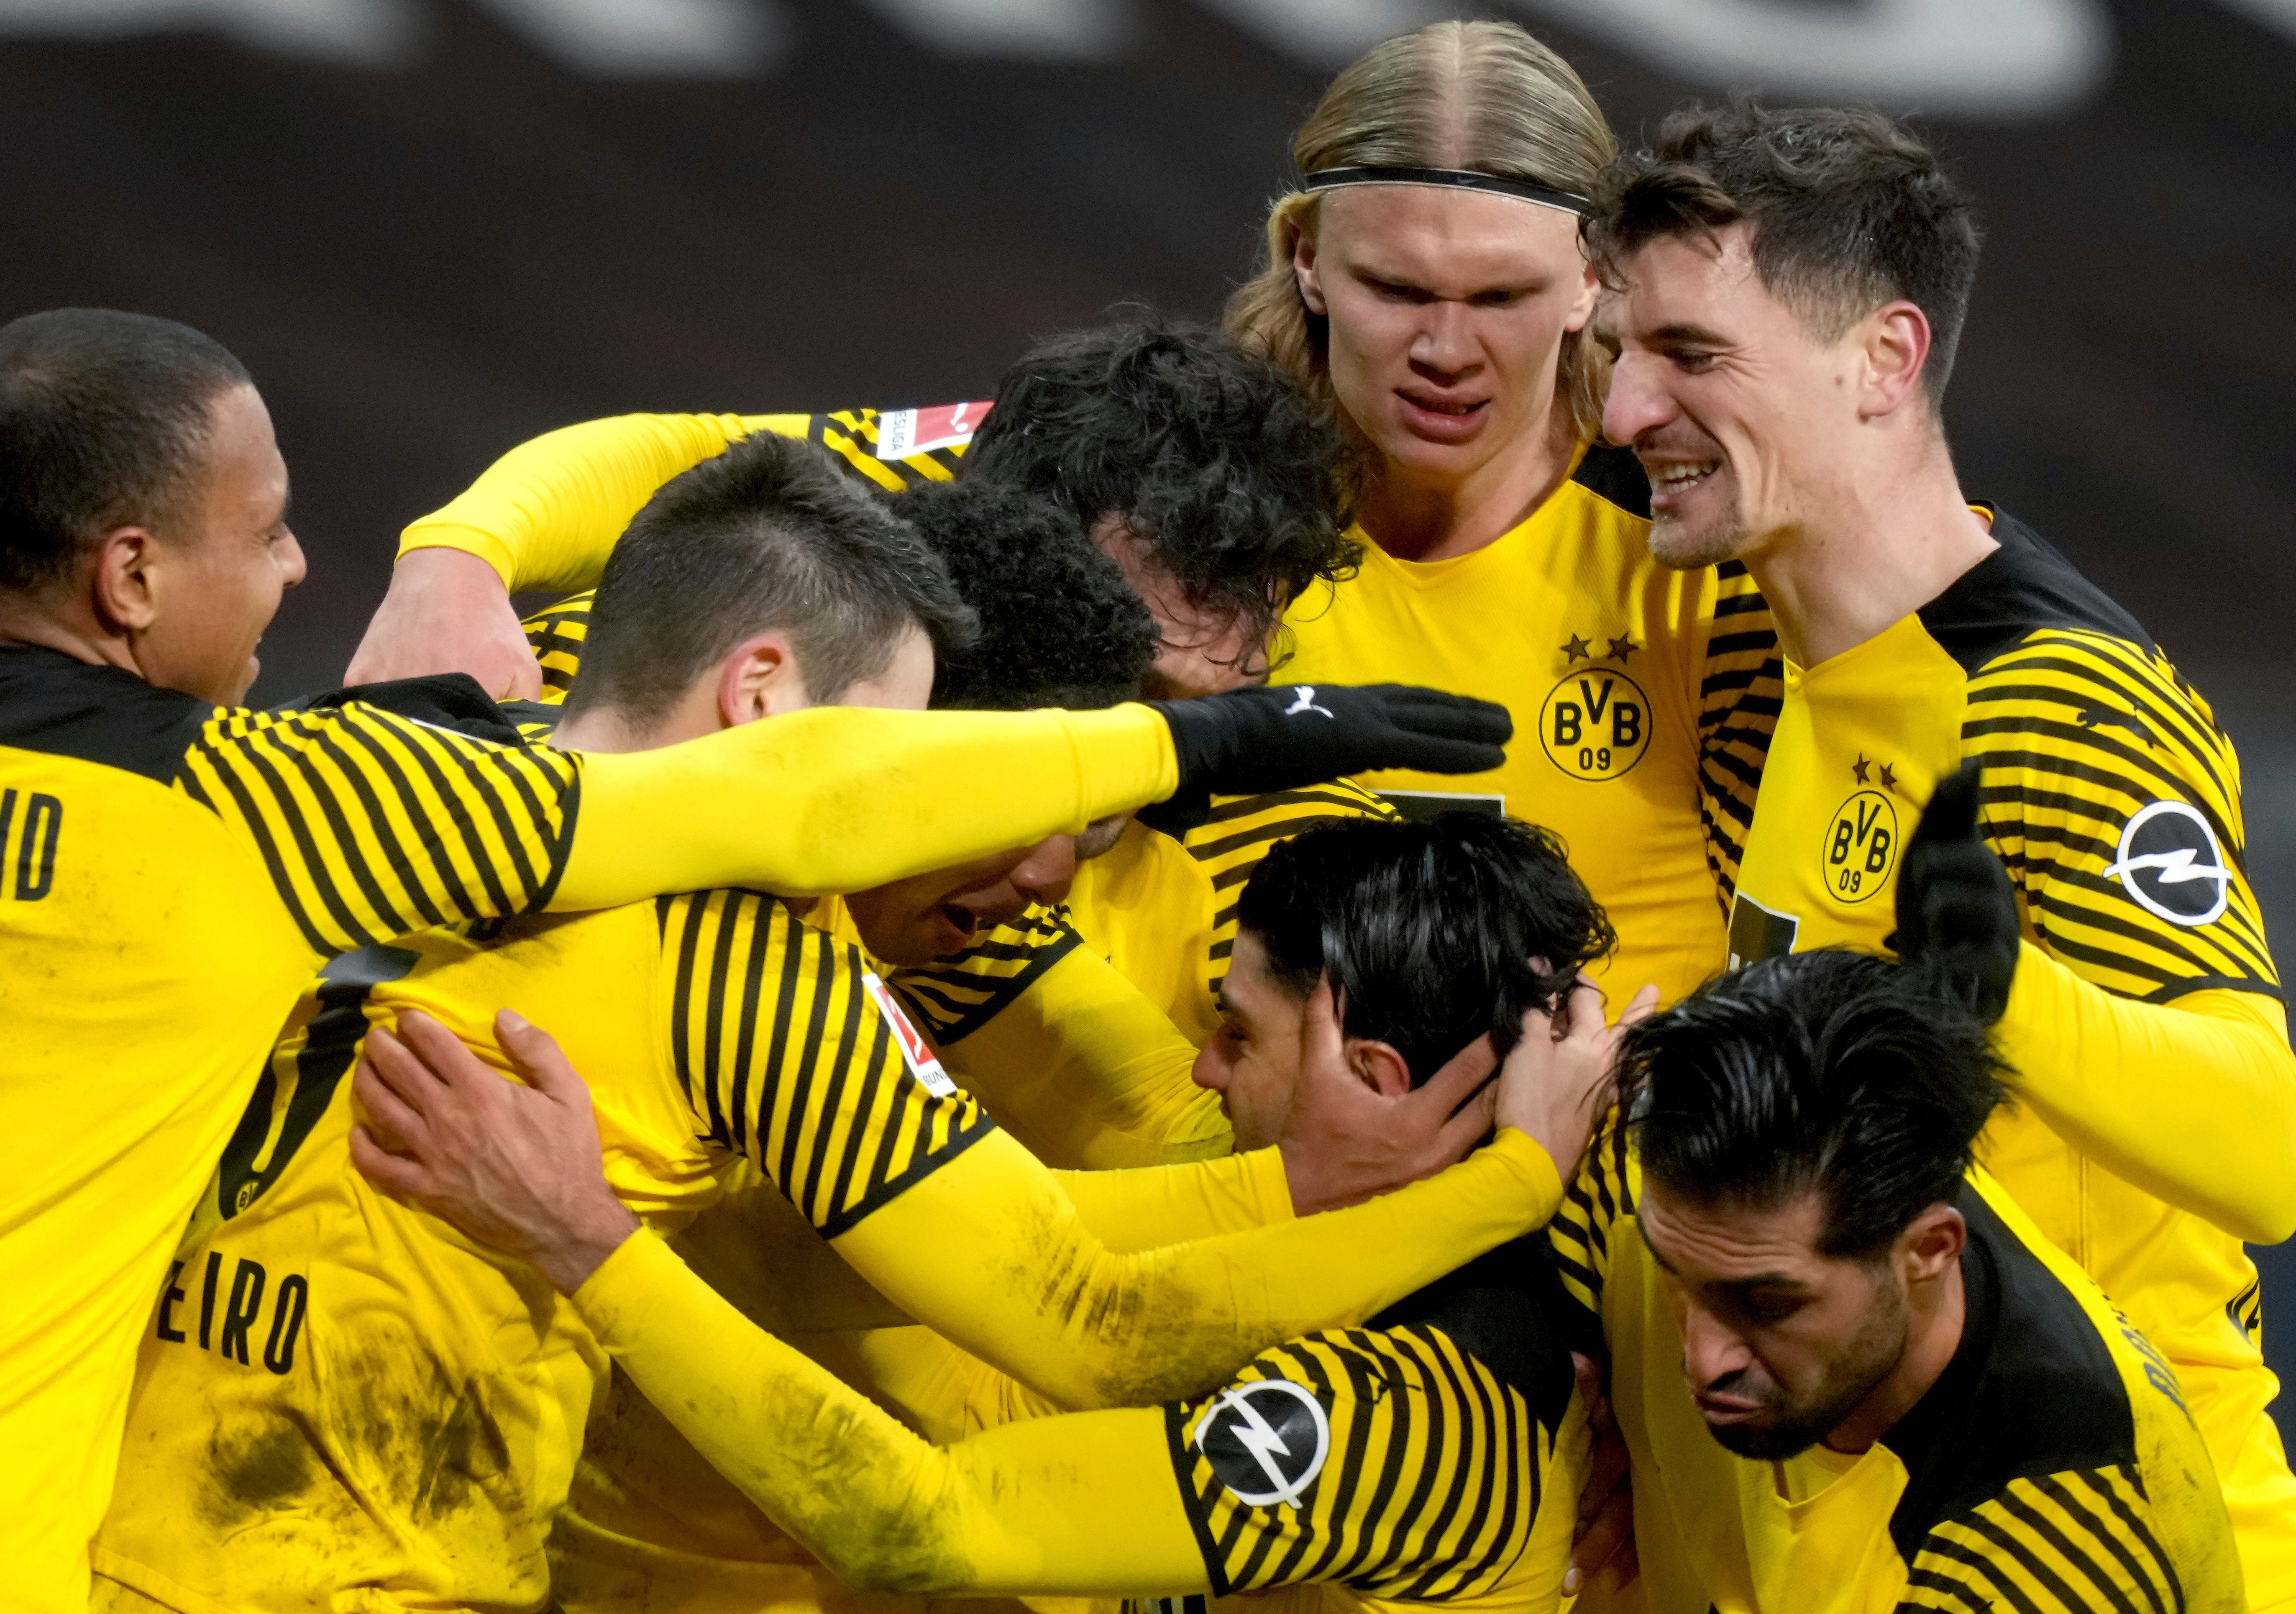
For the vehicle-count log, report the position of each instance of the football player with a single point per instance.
(1793, 286)
(1426, 275)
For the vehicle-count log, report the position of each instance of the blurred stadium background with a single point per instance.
(434, 227)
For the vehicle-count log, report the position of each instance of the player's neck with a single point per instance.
(1884, 542)
(23, 622)
(1416, 517)
(1933, 1330)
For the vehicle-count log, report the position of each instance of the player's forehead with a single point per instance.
(1705, 1242)
(1452, 242)
(1691, 284)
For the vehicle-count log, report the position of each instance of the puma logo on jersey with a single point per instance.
(1305, 702)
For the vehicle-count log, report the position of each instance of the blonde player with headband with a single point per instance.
(1427, 276)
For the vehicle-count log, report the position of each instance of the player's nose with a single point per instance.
(1637, 402)
(1045, 875)
(1711, 1352)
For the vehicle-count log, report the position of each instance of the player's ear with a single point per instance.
(124, 585)
(1931, 1246)
(760, 678)
(1378, 1067)
(1894, 344)
(1590, 293)
(1304, 265)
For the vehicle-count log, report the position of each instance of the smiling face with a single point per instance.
(1448, 310)
(1743, 417)
(216, 579)
(1780, 1344)
(1252, 1061)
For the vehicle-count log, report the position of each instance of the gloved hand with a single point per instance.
(1249, 740)
(1956, 909)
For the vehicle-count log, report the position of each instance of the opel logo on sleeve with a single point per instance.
(2171, 861)
(1265, 1440)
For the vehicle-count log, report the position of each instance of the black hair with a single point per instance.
(1059, 624)
(765, 536)
(1830, 1072)
(1232, 474)
(104, 422)
(1427, 929)
(1849, 210)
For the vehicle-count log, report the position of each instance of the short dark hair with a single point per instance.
(1830, 1072)
(1059, 624)
(765, 536)
(1427, 929)
(104, 420)
(1220, 462)
(1849, 210)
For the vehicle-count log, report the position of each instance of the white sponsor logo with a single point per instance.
(1266, 1441)
(1305, 702)
(2171, 861)
(914, 1049)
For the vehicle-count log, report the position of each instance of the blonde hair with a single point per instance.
(1483, 96)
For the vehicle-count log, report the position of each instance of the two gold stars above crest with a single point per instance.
(1578, 647)
(1862, 769)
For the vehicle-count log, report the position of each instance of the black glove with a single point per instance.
(1250, 741)
(1956, 910)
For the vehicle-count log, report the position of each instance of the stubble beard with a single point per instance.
(1871, 1357)
(1685, 548)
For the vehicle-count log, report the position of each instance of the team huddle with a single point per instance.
(1474, 942)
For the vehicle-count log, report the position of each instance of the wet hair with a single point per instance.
(766, 536)
(1849, 210)
(1059, 624)
(1230, 473)
(1427, 929)
(104, 423)
(1830, 1072)
(1483, 96)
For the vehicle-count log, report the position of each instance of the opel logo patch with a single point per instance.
(2170, 863)
(1265, 1440)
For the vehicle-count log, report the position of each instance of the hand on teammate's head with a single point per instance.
(514, 1165)
(1347, 1139)
(1557, 1082)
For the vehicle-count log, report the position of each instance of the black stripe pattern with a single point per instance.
(784, 1056)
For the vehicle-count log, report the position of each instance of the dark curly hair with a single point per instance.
(1849, 210)
(1830, 1072)
(1236, 478)
(1427, 929)
(1059, 625)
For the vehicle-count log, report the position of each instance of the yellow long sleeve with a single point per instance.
(2193, 1100)
(1074, 1060)
(840, 799)
(1080, 1504)
(1157, 1205)
(989, 1252)
(546, 514)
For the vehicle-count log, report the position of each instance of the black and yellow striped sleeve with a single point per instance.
(2069, 1542)
(374, 826)
(854, 437)
(791, 1054)
(1741, 690)
(555, 634)
(1240, 829)
(2114, 799)
(1601, 1195)
(1389, 1461)
(954, 996)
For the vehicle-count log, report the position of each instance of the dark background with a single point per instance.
(435, 228)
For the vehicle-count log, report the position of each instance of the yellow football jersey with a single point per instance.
(1641, 698)
(2114, 800)
(2053, 1468)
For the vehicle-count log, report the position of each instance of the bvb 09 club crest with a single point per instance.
(1859, 847)
(1596, 723)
